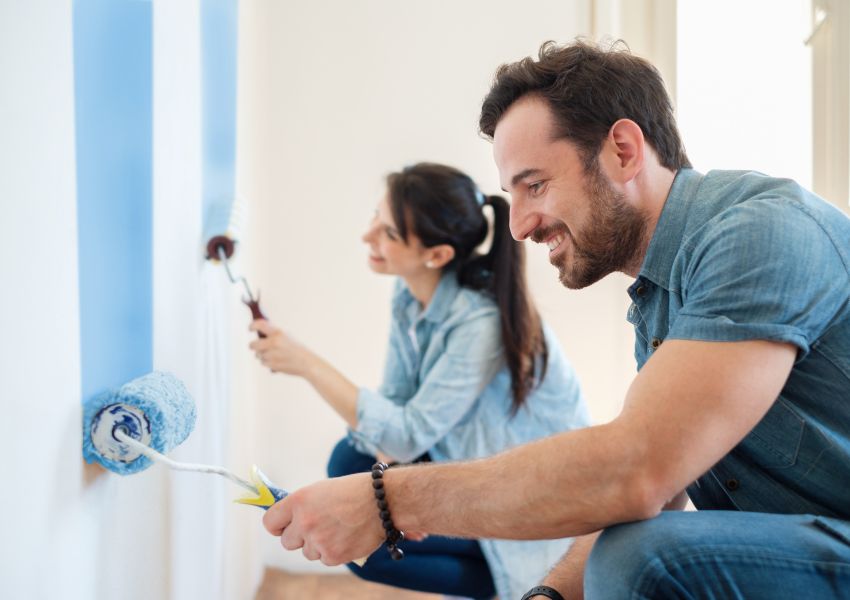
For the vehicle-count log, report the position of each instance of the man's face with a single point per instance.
(590, 229)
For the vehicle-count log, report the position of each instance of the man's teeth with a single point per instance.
(555, 242)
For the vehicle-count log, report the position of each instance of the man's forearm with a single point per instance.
(568, 575)
(565, 485)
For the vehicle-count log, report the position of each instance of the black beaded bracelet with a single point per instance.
(394, 536)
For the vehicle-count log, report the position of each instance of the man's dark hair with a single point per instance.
(588, 89)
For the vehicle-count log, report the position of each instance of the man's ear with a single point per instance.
(622, 152)
(436, 257)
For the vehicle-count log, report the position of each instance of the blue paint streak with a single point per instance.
(219, 21)
(113, 63)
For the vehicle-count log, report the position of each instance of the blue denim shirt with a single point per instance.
(741, 256)
(446, 391)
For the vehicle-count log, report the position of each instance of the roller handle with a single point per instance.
(278, 494)
(256, 313)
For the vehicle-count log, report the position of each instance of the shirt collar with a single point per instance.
(438, 309)
(670, 229)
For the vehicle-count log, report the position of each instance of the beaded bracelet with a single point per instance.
(394, 536)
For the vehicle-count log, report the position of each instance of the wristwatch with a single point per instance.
(543, 590)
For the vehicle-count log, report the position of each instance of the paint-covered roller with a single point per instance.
(223, 224)
(155, 409)
(126, 429)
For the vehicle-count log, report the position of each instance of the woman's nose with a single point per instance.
(369, 234)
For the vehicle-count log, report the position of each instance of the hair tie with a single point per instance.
(480, 198)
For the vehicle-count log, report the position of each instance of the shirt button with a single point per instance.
(732, 484)
(655, 343)
(641, 291)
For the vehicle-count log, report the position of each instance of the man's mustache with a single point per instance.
(541, 234)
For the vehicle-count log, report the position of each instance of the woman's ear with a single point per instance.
(437, 257)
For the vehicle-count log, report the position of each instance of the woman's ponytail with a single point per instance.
(502, 273)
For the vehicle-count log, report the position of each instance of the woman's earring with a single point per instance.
(430, 264)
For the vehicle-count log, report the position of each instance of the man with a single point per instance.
(741, 309)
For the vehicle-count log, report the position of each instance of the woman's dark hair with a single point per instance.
(588, 89)
(442, 205)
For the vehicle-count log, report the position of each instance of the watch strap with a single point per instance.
(543, 590)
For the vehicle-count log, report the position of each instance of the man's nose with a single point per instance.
(522, 221)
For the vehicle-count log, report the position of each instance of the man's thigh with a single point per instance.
(722, 555)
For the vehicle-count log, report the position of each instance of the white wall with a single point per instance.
(69, 530)
(49, 533)
(744, 86)
(333, 97)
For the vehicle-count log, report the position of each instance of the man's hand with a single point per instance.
(334, 521)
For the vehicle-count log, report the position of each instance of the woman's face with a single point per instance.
(388, 252)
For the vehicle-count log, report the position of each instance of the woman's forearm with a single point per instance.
(337, 390)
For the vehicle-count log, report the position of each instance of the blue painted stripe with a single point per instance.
(113, 64)
(219, 20)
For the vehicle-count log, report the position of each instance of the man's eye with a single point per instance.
(535, 188)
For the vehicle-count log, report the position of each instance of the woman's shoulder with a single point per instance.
(472, 309)
(470, 300)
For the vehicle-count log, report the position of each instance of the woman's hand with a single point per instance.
(278, 351)
(384, 458)
(282, 354)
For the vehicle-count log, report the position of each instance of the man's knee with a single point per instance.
(625, 553)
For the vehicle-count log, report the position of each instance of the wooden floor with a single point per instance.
(279, 585)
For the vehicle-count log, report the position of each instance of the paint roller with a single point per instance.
(129, 428)
(224, 223)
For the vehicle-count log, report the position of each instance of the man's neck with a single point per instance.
(654, 188)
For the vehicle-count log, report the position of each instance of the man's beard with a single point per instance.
(611, 241)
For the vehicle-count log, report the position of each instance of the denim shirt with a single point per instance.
(741, 256)
(447, 391)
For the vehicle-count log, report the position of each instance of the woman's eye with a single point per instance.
(391, 234)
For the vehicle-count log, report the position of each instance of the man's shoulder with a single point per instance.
(740, 186)
(752, 199)
(749, 218)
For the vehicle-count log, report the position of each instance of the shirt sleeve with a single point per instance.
(767, 270)
(470, 359)
(390, 387)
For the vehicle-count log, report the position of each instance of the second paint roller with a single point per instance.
(223, 229)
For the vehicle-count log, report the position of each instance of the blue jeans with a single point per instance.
(437, 565)
(723, 555)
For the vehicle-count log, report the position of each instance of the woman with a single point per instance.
(470, 371)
